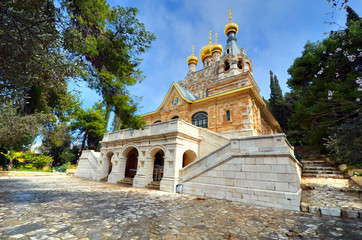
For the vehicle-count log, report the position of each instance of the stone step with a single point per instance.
(318, 168)
(317, 164)
(312, 175)
(126, 181)
(154, 185)
(321, 171)
(105, 179)
(313, 161)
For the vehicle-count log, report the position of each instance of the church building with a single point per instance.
(212, 136)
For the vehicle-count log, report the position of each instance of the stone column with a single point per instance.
(144, 172)
(118, 169)
(171, 170)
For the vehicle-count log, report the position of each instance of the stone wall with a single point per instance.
(88, 164)
(256, 170)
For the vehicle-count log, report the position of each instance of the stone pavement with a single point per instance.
(65, 207)
(331, 196)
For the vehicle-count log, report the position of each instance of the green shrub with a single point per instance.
(28, 166)
(37, 161)
(345, 142)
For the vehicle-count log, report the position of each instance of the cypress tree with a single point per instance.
(276, 101)
(351, 16)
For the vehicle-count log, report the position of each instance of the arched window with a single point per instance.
(207, 92)
(200, 119)
(227, 66)
(175, 117)
(158, 121)
(239, 65)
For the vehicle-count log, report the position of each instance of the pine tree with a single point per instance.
(351, 16)
(277, 102)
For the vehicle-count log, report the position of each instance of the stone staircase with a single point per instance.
(326, 191)
(154, 185)
(126, 181)
(320, 168)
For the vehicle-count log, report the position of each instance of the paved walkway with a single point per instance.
(65, 207)
(330, 193)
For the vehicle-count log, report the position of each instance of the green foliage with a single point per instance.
(90, 124)
(325, 80)
(345, 142)
(18, 131)
(37, 161)
(110, 39)
(276, 102)
(43, 47)
(14, 158)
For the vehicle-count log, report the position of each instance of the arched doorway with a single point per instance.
(188, 157)
(131, 165)
(109, 161)
(158, 165)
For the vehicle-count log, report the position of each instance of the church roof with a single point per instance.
(188, 95)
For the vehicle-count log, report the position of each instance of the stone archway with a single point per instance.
(109, 156)
(188, 157)
(131, 163)
(158, 165)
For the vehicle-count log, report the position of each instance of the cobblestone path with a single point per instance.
(65, 207)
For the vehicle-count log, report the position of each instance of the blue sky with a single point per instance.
(272, 32)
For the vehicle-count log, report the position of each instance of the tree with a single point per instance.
(44, 47)
(327, 81)
(90, 124)
(345, 142)
(276, 102)
(33, 65)
(110, 40)
(17, 131)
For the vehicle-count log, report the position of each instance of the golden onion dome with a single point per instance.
(216, 46)
(231, 27)
(206, 50)
(192, 58)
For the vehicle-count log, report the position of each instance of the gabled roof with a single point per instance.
(185, 95)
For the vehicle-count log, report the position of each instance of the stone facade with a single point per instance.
(212, 136)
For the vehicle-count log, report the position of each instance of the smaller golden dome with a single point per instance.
(206, 50)
(231, 27)
(192, 58)
(216, 46)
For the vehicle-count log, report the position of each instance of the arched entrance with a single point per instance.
(158, 165)
(109, 160)
(188, 157)
(131, 165)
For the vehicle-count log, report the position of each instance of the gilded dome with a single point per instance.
(192, 58)
(216, 46)
(205, 52)
(231, 27)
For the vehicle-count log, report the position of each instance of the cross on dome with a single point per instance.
(230, 12)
